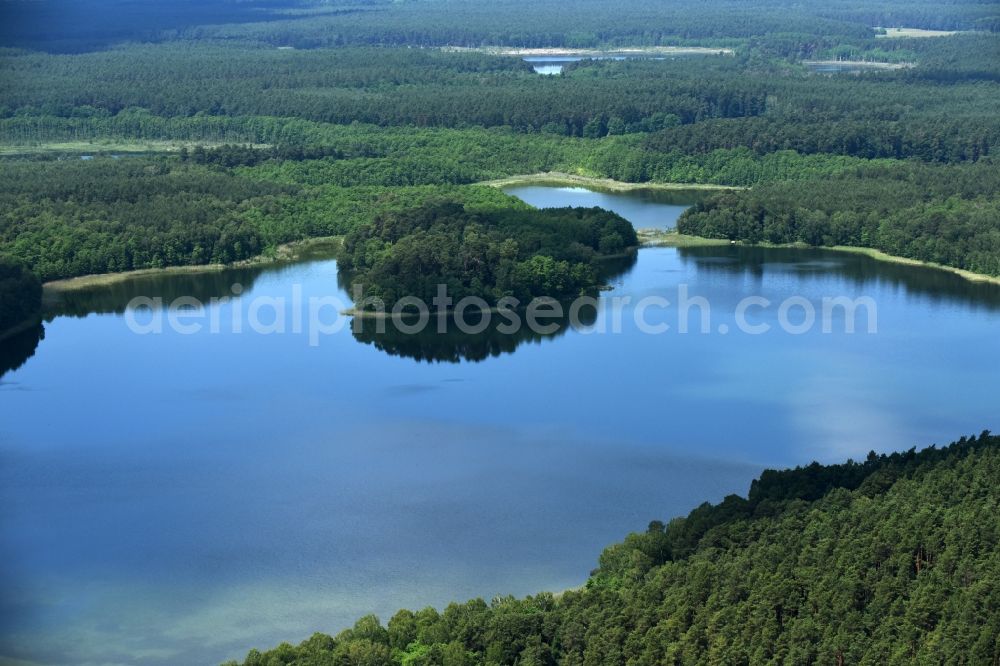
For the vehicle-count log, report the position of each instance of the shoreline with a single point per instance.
(606, 184)
(906, 261)
(860, 64)
(285, 253)
(656, 238)
(593, 52)
(914, 33)
(299, 250)
(660, 238)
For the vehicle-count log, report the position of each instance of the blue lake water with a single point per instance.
(827, 67)
(645, 209)
(171, 498)
(554, 64)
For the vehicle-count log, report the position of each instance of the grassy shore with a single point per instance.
(600, 184)
(633, 51)
(310, 248)
(657, 238)
(860, 64)
(911, 33)
(104, 147)
(328, 246)
(882, 256)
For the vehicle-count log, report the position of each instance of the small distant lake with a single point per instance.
(179, 498)
(834, 68)
(555, 64)
(644, 208)
(830, 67)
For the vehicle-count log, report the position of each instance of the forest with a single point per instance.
(212, 148)
(69, 218)
(65, 218)
(504, 253)
(889, 560)
(945, 216)
(196, 83)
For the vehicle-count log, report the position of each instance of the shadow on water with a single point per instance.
(936, 285)
(202, 285)
(453, 345)
(679, 197)
(18, 348)
(113, 298)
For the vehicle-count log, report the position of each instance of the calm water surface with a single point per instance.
(556, 63)
(841, 68)
(178, 498)
(645, 209)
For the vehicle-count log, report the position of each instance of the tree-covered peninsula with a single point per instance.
(890, 560)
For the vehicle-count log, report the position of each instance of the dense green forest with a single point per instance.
(284, 144)
(891, 560)
(491, 255)
(69, 218)
(47, 96)
(947, 216)
(65, 218)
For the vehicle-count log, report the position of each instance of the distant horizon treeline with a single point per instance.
(68, 27)
(759, 102)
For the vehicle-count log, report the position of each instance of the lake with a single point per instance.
(554, 64)
(851, 67)
(179, 498)
(644, 208)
